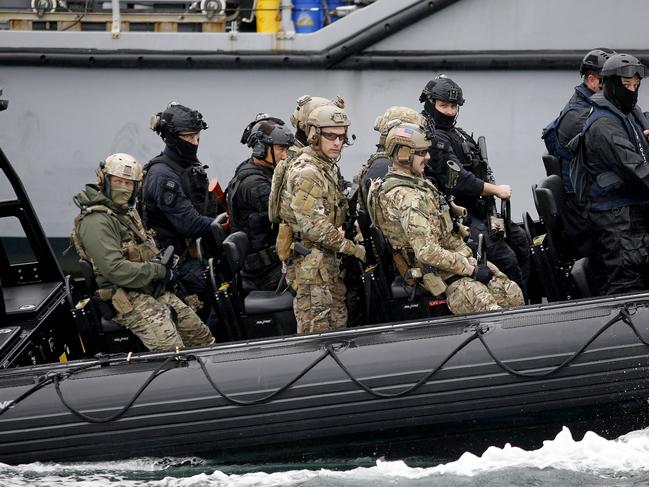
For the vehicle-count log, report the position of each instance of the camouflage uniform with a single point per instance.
(313, 204)
(120, 251)
(407, 209)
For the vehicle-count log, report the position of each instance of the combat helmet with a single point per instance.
(404, 114)
(624, 65)
(265, 134)
(325, 116)
(594, 60)
(177, 119)
(306, 104)
(404, 139)
(442, 88)
(120, 165)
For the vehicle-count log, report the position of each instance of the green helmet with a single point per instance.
(404, 139)
(325, 116)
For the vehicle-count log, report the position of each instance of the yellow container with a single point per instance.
(268, 15)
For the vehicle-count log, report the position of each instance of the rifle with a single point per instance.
(458, 213)
(481, 252)
(495, 221)
(166, 259)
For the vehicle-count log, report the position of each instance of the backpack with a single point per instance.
(277, 185)
(551, 138)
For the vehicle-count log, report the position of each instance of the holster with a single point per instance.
(284, 241)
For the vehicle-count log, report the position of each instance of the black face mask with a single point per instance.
(186, 150)
(443, 121)
(623, 98)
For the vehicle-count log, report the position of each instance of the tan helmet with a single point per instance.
(404, 139)
(306, 104)
(120, 165)
(325, 116)
(404, 114)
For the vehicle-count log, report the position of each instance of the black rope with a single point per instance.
(42, 381)
(270, 396)
(91, 419)
(622, 315)
(408, 390)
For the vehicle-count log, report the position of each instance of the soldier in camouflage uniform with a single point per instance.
(110, 235)
(407, 208)
(312, 203)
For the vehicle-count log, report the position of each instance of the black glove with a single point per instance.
(482, 273)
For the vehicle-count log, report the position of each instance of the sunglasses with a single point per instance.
(421, 153)
(331, 136)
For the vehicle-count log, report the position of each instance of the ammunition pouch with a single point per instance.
(496, 227)
(121, 302)
(284, 241)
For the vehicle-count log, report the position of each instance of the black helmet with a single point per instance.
(177, 119)
(624, 65)
(260, 117)
(442, 88)
(267, 133)
(594, 60)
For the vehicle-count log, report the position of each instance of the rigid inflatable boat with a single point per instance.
(437, 384)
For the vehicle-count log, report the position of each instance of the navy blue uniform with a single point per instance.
(178, 206)
(616, 160)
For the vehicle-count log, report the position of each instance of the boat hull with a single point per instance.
(470, 402)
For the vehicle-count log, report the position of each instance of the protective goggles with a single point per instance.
(631, 70)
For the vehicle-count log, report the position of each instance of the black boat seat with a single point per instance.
(89, 276)
(264, 302)
(552, 165)
(579, 274)
(400, 290)
(235, 251)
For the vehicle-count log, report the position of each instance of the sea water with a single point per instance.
(593, 461)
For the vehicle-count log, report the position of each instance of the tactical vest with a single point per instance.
(605, 190)
(339, 205)
(410, 267)
(468, 152)
(195, 185)
(141, 247)
(253, 224)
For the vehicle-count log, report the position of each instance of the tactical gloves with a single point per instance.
(482, 273)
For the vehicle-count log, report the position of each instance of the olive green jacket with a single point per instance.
(109, 244)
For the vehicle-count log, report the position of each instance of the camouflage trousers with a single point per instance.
(467, 295)
(151, 321)
(319, 303)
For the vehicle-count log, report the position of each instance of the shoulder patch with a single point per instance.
(171, 184)
(440, 145)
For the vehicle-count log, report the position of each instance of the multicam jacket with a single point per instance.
(407, 209)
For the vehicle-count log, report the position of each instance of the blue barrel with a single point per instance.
(331, 6)
(307, 15)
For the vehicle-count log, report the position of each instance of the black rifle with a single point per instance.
(167, 260)
(496, 224)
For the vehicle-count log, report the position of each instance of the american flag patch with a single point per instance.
(404, 132)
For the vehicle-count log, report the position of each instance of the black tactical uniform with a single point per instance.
(611, 172)
(176, 201)
(568, 124)
(453, 143)
(248, 194)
